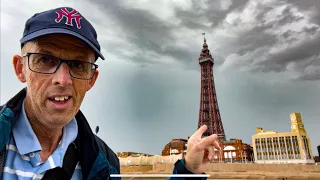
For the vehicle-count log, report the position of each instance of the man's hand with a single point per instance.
(200, 151)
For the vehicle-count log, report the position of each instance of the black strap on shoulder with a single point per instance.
(2, 154)
(70, 161)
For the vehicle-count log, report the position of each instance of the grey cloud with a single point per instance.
(310, 77)
(311, 31)
(260, 37)
(197, 17)
(288, 17)
(288, 34)
(278, 61)
(255, 39)
(194, 25)
(310, 69)
(308, 5)
(145, 32)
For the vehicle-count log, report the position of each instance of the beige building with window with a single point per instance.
(285, 147)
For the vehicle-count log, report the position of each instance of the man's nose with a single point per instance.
(62, 76)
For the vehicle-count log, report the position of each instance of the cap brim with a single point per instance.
(59, 31)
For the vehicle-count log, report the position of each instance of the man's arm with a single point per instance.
(180, 168)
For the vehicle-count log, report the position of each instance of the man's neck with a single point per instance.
(48, 137)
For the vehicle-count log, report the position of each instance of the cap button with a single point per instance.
(32, 155)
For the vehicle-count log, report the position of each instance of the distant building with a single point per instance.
(176, 146)
(284, 147)
(234, 150)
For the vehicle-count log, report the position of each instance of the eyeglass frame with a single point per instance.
(61, 61)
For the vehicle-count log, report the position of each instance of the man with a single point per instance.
(43, 134)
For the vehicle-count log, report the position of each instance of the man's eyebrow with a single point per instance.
(44, 51)
(81, 56)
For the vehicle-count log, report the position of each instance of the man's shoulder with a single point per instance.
(108, 152)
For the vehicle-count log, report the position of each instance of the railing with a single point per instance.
(151, 160)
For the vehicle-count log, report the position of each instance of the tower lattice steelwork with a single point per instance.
(209, 113)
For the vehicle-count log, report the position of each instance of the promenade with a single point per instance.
(237, 171)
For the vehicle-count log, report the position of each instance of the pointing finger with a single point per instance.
(200, 131)
(207, 141)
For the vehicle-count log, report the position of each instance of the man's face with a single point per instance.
(44, 91)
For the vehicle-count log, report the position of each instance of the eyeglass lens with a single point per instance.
(48, 64)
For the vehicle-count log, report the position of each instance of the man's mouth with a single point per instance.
(60, 99)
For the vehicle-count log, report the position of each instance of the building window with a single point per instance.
(276, 147)
(226, 155)
(284, 156)
(257, 141)
(263, 142)
(215, 156)
(271, 157)
(283, 148)
(288, 143)
(295, 146)
(306, 148)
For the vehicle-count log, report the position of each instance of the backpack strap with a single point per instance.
(2, 153)
(70, 161)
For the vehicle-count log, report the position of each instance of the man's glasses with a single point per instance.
(48, 64)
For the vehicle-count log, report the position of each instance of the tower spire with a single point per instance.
(204, 37)
(204, 41)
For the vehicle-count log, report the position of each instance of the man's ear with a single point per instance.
(17, 62)
(93, 80)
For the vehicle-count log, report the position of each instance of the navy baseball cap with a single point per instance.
(63, 20)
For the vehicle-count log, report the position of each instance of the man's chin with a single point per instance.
(59, 121)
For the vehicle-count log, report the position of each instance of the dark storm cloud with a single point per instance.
(288, 17)
(178, 53)
(249, 41)
(277, 62)
(310, 77)
(263, 36)
(259, 36)
(311, 31)
(144, 31)
(197, 16)
(288, 34)
(307, 5)
(150, 37)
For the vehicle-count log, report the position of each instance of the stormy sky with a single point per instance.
(267, 65)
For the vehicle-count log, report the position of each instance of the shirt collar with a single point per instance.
(27, 141)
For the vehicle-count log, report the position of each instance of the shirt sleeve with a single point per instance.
(180, 168)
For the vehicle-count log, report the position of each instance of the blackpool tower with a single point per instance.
(209, 113)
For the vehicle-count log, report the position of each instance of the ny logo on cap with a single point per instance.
(69, 16)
